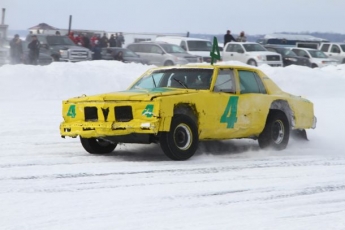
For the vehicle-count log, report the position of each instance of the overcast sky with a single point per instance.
(180, 16)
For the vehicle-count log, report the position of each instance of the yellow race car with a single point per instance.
(178, 106)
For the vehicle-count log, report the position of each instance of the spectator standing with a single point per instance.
(241, 37)
(57, 33)
(71, 36)
(228, 37)
(16, 50)
(34, 50)
(112, 41)
(104, 41)
(79, 40)
(96, 49)
(93, 40)
(86, 41)
(120, 40)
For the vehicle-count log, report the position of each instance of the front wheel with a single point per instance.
(276, 132)
(181, 142)
(252, 62)
(97, 146)
(168, 63)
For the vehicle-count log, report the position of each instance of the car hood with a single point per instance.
(184, 55)
(66, 47)
(201, 53)
(263, 53)
(133, 95)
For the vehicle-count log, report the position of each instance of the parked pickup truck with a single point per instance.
(62, 48)
(251, 53)
(334, 51)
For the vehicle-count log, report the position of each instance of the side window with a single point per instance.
(238, 49)
(144, 48)
(133, 47)
(325, 47)
(335, 49)
(302, 53)
(183, 45)
(225, 81)
(156, 50)
(230, 48)
(250, 82)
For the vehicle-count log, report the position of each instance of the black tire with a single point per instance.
(97, 146)
(276, 132)
(314, 65)
(252, 62)
(182, 141)
(168, 63)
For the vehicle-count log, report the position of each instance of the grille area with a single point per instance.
(206, 59)
(78, 55)
(123, 113)
(191, 59)
(273, 58)
(91, 114)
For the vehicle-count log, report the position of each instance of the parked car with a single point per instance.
(62, 48)
(288, 56)
(334, 50)
(128, 55)
(181, 105)
(162, 53)
(251, 53)
(196, 46)
(316, 57)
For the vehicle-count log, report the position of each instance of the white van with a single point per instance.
(195, 46)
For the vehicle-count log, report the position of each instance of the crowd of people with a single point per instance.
(95, 43)
(228, 37)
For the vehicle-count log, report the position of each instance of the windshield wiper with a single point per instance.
(181, 83)
(154, 82)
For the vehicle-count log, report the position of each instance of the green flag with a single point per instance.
(215, 55)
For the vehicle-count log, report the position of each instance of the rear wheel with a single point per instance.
(252, 62)
(97, 146)
(276, 132)
(181, 142)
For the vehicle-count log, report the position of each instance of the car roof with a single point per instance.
(184, 38)
(304, 48)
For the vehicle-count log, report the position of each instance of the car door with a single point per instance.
(237, 108)
(157, 55)
(228, 52)
(335, 53)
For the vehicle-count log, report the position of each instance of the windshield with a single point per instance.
(253, 47)
(199, 45)
(342, 47)
(286, 52)
(176, 78)
(169, 48)
(59, 40)
(317, 54)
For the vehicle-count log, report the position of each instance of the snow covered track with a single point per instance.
(47, 182)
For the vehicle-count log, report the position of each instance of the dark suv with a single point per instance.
(62, 48)
(288, 56)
